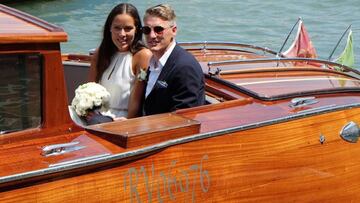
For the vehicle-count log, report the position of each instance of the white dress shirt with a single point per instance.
(156, 67)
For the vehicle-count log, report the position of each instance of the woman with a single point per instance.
(120, 61)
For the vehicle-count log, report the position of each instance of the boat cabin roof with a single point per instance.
(18, 27)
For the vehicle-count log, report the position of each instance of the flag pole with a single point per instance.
(337, 44)
(287, 38)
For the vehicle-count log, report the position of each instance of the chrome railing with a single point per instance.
(205, 45)
(325, 63)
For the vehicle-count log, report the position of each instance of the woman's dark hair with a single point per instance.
(107, 48)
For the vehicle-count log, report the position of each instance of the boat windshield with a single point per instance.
(20, 92)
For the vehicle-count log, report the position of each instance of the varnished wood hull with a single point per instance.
(257, 139)
(283, 162)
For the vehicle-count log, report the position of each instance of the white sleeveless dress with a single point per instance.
(119, 79)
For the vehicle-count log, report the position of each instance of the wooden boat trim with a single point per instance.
(207, 44)
(267, 60)
(294, 80)
(133, 154)
(283, 96)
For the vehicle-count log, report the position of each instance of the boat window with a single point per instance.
(20, 92)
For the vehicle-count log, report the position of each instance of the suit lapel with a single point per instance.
(166, 69)
(169, 64)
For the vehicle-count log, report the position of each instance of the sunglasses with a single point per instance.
(157, 29)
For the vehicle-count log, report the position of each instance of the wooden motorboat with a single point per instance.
(274, 130)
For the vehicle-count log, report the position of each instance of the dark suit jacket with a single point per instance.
(180, 84)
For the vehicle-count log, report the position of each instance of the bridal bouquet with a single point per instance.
(90, 96)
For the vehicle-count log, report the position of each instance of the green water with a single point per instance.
(259, 22)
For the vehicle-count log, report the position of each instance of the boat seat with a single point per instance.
(77, 120)
(146, 130)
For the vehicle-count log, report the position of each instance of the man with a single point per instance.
(176, 79)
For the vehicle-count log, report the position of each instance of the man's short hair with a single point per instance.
(162, 11)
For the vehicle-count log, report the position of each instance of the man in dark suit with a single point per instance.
(175, 77)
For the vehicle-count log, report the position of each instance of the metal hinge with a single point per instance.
(57, 149)
(214, 73)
